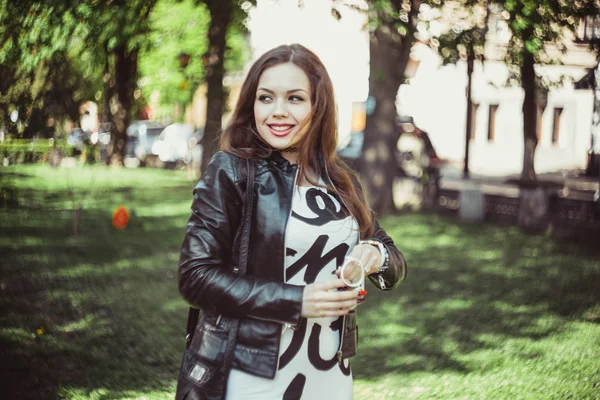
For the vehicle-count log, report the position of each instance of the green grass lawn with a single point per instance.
(486, 312)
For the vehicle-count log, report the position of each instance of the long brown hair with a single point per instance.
(317, 148)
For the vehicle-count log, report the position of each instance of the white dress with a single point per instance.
(318, 237)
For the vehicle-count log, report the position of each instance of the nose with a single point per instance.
(280, 109)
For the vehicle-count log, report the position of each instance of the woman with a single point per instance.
(297, 325)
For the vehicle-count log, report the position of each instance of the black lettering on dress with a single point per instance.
(314, 355)
(290, 252)
(295, 345)
(345, 371)
(315, 261)
(295, 389)
(337, 325)
(324, 215)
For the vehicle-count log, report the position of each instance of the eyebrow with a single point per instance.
(289, 91)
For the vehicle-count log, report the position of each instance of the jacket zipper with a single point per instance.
(340, 355)
(285, 326)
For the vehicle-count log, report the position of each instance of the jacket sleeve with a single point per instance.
(205, 277)
(397, 269)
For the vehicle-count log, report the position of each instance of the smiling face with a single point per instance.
(282, 105)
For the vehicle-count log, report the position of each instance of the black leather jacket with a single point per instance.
(261, 299)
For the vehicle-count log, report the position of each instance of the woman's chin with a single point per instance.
(279, 144)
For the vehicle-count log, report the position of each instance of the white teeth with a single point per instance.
(281, 128)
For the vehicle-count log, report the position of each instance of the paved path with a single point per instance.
(572, 184)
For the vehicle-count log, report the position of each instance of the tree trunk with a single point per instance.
(593, 167)
(126, 70)
(220, 13)
(529, 117)
(469, 128)
(106, 114)
(388, 59)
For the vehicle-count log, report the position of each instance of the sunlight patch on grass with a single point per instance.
(175, 305)
(69, 393)
(508, 307)
(444, 240)
(165, 210)
(89, 270)
(416, 245)
(77, 271)
(67, 298)
(96, 176)
(80, 325)
(499, 269)
(454, 304)
(485, 254)
(544, 325)
(592, 314)
(17, 335)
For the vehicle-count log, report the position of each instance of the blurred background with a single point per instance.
(474, 124)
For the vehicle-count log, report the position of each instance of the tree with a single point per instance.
(39, 77)
(177, 28)
(537, 25)
(392, 27)
(465, 40)
(119, 31)
(40, 33)
(226, 20)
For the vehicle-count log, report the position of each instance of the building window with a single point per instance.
(538, 121)
(556, 124)
(588, 29)
(474, 108)
(492, 122)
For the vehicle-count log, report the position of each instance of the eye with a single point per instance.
(296, 98)
(264, 98)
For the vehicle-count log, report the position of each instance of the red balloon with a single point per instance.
(120, 218)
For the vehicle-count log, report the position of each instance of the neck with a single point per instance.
(292, 157)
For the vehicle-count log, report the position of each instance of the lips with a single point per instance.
(280, 130)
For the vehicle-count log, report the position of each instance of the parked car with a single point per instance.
(177, 143)
(350, 154)
(77, 139)
(141, 136)
(414, 153)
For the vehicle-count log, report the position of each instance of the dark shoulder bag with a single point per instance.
(210, 346)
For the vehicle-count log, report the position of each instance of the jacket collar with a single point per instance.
(281, 162)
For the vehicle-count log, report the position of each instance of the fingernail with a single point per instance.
(362, 292)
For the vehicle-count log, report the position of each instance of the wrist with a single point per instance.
(383, 253)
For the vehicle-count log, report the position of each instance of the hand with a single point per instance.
(369, 256)
(320, 301)
(351, 272)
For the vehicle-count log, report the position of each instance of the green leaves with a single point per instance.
(177, 27)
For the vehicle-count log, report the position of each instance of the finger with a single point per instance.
(334, 313)
(369, 260)
(336, 297)
(340, 304)
(330, 285)
(352, 273)
(355, 278)
(358, 250)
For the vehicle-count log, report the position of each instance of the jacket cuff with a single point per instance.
(294, 295)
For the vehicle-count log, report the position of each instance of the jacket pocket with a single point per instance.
(201, 361)
(350, 343)
(209, 342)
